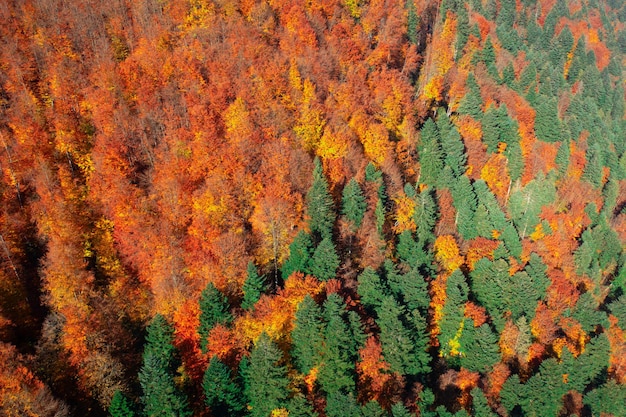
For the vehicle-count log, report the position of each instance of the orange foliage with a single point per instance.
(187, 340)
(508, 340)
(496, 175)
(372, 368)
(617, 339)
(274, 314)
(480, 248)
(543, 326)
(222, 342)
(447, 213)
(485, 26)
(466, 380)
(476, 150)
(546, 6)
(477, 313)
(437, 302)
(447, 253)
(496, 379)
(405, 209)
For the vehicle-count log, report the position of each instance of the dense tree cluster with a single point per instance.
(325, 208)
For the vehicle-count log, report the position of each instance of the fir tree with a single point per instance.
(300, 252)
(430, 154)
(371, 289)
(480, 407)
(161, 397)
(325, 260)
(307, 335)
(221, 394)
(267, 382)
(121, 406)
(253, 287)
(214, 309)
(472, 102)
(354, 204)
(320, 206)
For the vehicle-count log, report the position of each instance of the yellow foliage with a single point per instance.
(432, 90)
(538, 233)
(237, 121)
(392, 111)
(376, 143)
(332, 146)
(454, 344)
(405, 209)
(311, 122)
(447, 253)
(354, 7)
(280, 412)
(294, 75)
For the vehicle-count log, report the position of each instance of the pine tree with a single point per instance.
(214, 309)
(300, 252)
(320, 206)
(325, 260)
(161, 397)
(354, 204)
(267, 382)
(307, 335)
(221, 394)
(121, 406)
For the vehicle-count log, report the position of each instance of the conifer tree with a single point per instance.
(403, 348)
(266, 378)
(453, 311)
(410, 289)
(480, 407)
(161, 397)
(221, 394)
(253, 287)
(353, 202)
(472, 102)
(121, 406)
(371, 289)
(399, 410)
(214, 309)
(307, 335)
(336, 374)
(320, 206)
(300, 252)
(325, 260)
(430, 154)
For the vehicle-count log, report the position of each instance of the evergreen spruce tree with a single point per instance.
(307, 335)
(608, 399)
(336, 374)
(300, 252)
(266, 377)
(371, 289)
(410, 289)
(340, 404)
(402, 347)
(354, 204)
(412, 22)
(453, 314)
(430, 154)
(472, 102)
(161, 397)
(399, 410)
(253, 287)
(221, 394)
(214, 309)
(325, 260)
(480, 407)
(299, 407)
(452, 145)
(547, 124)
(479, 346)
(372, 409)
(320, 206)
(121, 406)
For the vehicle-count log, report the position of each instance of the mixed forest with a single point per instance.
(333, 208)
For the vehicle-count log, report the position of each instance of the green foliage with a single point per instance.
(410, 289)
(479, 347)
(121, 406)
(412, 22)
(399, 410)
(430, 154)
(587, 313)
(371, 289)
(480, 407)
(452, 322)
(472, 102)
(547, 123)
(299, 407)
(307, 335)
(403, 347)
(161, 397)
(253, 287)
(320, 206)
(354, 204)
(465, 202)
(300, 252)
(525, 204)
(214, 309)
(451, 144)
(608, 399)
(339, 404)
(266, 377)
(325, 260)
(343, 338)
(221, 394)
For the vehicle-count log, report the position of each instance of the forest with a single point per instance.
(321, 208)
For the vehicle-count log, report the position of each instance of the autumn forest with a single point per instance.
(332, 208)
